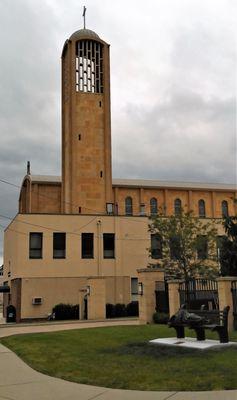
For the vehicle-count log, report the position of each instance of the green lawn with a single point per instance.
(120, 357)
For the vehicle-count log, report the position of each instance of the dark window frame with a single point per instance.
(89, 238)
(201, 208)
(106, 238)
(128, 206)
(177, 206)
(32, 249)
(225, 208)
(63, 255)
(153, 206)
(202, 251)
(175, 247)
(156, 250)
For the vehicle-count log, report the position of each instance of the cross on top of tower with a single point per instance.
(84, 16)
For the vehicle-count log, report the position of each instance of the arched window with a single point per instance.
(177, 206)
(153, 206)
(128, 206)
(201, 209)
(224, 208)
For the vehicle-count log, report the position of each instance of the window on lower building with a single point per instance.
(134, 289)
(109, 245)
(36, 241)
(156, 246)
(202, 247)
(87, 245)
(59, 245)
(175, 248)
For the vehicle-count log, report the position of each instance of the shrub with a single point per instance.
(66, 311)
(160, 318)
(110, 310)
(120, 310)
(132, 309)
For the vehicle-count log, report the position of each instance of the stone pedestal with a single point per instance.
(147, 300)
(174, 299)
(225, 297)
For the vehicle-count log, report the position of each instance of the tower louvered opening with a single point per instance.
(89, 66)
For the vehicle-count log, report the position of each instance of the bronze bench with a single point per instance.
(199, 320)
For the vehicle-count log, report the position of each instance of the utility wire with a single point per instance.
(72, 204)
(60, 230)
(46, 227)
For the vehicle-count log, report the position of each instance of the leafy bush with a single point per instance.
(110, 310)
(121, 310)
(160, 318)
(132, 309)
(66, 311)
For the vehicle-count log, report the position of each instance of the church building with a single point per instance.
(84, 229)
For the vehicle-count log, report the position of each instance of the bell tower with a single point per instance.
(86, 125)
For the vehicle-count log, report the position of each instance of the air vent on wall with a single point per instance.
(37, 300)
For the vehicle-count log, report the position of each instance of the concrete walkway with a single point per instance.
(20, 382)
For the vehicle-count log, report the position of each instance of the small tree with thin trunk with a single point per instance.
(188, 245)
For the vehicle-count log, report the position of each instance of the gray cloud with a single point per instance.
(172, 79)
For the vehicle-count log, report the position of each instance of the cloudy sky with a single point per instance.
(173, 88)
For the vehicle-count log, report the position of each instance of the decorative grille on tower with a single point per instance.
(89, 66)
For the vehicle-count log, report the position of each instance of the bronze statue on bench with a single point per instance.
(199, 320)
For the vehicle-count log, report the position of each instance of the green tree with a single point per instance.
(188, 245)
(228, 247)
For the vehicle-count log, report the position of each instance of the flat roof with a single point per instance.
(146, 183)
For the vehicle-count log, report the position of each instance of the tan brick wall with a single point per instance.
(97, 298)
(166, 198)
(147, 301)
(52, 291)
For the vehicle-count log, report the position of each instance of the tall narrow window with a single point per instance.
(36, 239)
(59, 245)
(87, 245)
(202, 247)
(128, 206)
(89, 66)
(134, 289)
(201, 209)
(109, 247)
(175, 248)
(156, 246)
(177, 206)
(153, 206)
(224, 208)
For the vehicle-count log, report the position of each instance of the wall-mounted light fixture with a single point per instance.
(88, 290)
(140, 288)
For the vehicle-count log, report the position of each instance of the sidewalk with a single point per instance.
(20, 382)
(17, 329)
